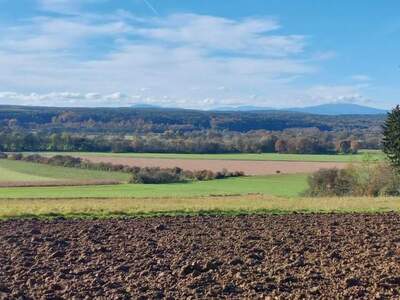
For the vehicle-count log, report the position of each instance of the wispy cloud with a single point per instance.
(361, 78)
(151, 7)
(180, 60)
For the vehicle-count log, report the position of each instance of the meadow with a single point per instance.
(15, 171)
(279, 193)
(235, 205)
(348, 158)
(277, 185)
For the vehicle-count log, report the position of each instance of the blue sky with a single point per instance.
(199, 53)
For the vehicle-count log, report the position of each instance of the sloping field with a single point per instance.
(278, 185)
(7, 174)
(248, 167)
(19, 171)
(370, 154)
(295, 256)
(227, 205)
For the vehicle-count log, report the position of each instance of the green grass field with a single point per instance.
(277, 185)
(373, 155)
(15, 171)
(106, 208)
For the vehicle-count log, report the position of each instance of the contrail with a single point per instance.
(151, 7)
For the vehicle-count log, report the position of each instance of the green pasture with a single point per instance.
(285, 185)
(348, 158)
(15, 171)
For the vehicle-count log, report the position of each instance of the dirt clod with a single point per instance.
(297, 256)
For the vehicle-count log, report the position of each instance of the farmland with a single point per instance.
(242, 237)
(345, 256)
(278, 185)
(216, 205)
(15, 171)
(362, 155)
(199, 150)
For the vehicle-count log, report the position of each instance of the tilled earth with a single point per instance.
(292, 256)
(249, 167)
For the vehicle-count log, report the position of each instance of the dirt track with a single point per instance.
(294, 256)
(249, 167)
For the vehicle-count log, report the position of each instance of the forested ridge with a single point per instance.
(177, 130)
(126, 120)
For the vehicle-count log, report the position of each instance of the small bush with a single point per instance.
(331, 182)
(377, 179)
(370, 180)
(156, 176)
(15, 156)
(3, 155)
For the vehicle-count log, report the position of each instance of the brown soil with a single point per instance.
(287, 257)
(248, 167)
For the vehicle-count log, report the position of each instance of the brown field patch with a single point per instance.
(333, 256)
(248, 167)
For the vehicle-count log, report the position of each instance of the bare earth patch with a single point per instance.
(248, 167)
(349, 256)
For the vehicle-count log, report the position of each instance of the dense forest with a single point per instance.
(184, 131)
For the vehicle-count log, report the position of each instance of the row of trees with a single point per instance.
(197, 142)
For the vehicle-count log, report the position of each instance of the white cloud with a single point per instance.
(64, 6)
(195, 61)
(361, 78)
(68, 98)
(337, 94)
(48, 34)
(216, 33)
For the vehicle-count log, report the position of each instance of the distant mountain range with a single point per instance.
(144, 105)
(339, 109)
(323, 109)
(242, 108)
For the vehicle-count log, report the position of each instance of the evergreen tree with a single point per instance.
(391, 136)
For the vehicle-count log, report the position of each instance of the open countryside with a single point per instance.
(199, 149)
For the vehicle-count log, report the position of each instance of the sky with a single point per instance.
(199, 54)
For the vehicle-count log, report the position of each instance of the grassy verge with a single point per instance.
(11, 170)
(255, 204)
(285, 185)
(374, 155)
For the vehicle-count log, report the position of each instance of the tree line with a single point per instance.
(183, 131)
(305, 142)
(155, 120)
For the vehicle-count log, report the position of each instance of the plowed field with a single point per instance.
(290, 256)
(247, 166)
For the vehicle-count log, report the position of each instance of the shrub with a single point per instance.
(363, 180)
(3, 155)
(15, 156)
(376, 179)
(156, 176)
(331, 182)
